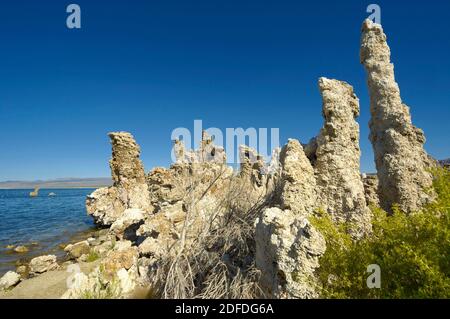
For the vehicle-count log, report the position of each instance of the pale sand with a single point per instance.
(49, 285)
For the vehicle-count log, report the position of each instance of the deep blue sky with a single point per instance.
(150, 66)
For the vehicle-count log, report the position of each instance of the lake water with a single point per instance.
(41, 223)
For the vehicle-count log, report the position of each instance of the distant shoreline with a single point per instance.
(61, 183)
(44, 188)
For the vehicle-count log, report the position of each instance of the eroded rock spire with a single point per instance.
(340, 189)
(288, 248)
(127, 171)
(400, 158)
(297, 180)
(129, 188)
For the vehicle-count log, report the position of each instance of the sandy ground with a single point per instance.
(49, 285)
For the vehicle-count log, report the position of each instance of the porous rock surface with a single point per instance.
(78, 249)
(288, 249)
(10, 279)
(400, 158)
(129, 190)
(370, 182)
(340, 190)
(256, 176)
(297, 182)
(42, 264)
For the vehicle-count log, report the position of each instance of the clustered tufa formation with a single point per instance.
(153, 212)
(200, 230)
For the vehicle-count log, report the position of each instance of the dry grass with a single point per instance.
(215, 260)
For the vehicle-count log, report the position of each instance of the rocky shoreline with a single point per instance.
(57, 258)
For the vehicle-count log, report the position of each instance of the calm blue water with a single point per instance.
(41, 223)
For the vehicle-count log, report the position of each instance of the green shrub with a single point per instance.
(109, 290)
(413, 252)
(101, 288)
(93, 256)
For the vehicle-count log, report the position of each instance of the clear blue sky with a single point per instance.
(150, 66)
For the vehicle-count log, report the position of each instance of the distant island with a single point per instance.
(58, 183)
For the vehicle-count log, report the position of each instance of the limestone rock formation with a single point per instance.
(21, 249)
(118, 259)
(400, 158)
(371, 189)
(95, 286)
(22, 270)
(126, 225)
(274, 167)
(42, 264)
(208, 152)
(10, 279)
(115, 277)
(252, 164)
(127, 171)
(297, 190)
(164, 185)
(129, 190)
(104, 205)
(310, 150)
(78, 249)
(208, 162)
(256, 176)
(194, 186)
(163, 230)
(182, 155)
(197, 228)
(288, 249)
(340, 190)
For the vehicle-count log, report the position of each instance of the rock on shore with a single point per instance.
(42, 264)
(10, 279)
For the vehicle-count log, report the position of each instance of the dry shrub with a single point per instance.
(214, 257)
